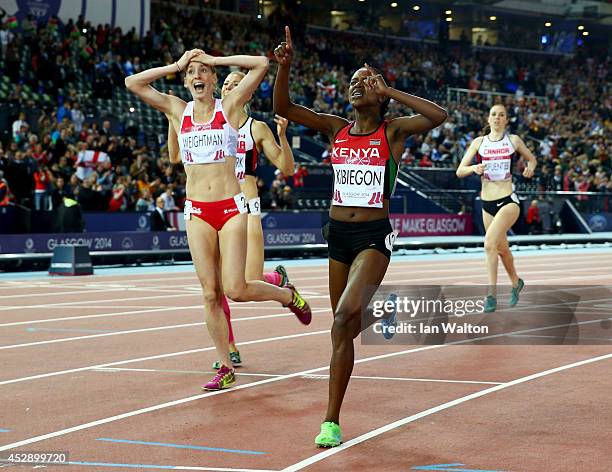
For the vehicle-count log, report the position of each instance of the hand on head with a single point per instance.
(281, 124)
(187, 57)
(284, 51)
(376, 81)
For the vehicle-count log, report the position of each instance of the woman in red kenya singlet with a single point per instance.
(215, 209)
(496, 152)
(365, 157)
(253, 137)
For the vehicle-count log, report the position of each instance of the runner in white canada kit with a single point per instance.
(365, 159)
(215, 209)
(496, 152)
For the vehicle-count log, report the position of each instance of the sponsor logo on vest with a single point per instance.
(374, 142)
(361, 156)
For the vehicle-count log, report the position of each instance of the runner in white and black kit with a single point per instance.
(254, 137)
(215, 209)
(496, 153)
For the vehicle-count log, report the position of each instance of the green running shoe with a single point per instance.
(514, 297)
(280, 270)
(235, 358)
(490, 304)
(330, 435)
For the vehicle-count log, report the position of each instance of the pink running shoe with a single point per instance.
(299, 307)
(223, 379)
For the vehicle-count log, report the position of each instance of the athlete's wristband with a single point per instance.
(254, 206)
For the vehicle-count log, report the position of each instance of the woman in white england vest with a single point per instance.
(365, 156)
(215, 209)
(254, 136)
(496, 153)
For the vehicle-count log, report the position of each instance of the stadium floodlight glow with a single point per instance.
(544, 39)
(448, 12)
(449, 19)
(394, 4)
(337, 12)
(132, 109)
(259, 16)
(581, 27)
(547, 24)
(492, 18)
(416, 8)
(84, 30)
(362, 0)
(585, 33)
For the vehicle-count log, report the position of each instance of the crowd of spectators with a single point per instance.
(43, 155)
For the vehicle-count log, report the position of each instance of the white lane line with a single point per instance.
(145, 330)
(100, 315)
(444, 406)
(442, 272)
(565, 279)
(123, 307)
(80, 292)
(154, 466)
(58, 293)
(155, 357)
(81, 302)
(563, 337)
(166, 371)
(234, 307)
(417, 280)
(408, 379)
(313, 376)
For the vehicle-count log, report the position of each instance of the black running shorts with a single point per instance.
(493, 206)
(347, 240)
